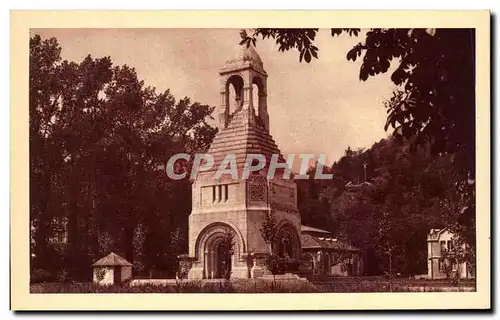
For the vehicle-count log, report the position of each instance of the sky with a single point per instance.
(319, 108)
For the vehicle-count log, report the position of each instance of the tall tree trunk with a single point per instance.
(73, 252)
(129, 241)
(43, 227)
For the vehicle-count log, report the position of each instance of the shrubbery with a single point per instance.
(243, 286)
(255, 286)
(40, 275)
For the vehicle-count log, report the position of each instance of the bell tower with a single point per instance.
(223, 204)
(245, 73)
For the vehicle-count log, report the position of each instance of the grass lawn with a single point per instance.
(260, 286)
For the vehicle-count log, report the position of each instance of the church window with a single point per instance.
(220, 193)
(285, 246)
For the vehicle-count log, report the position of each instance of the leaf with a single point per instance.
(310, 33)
(385, 64)
(352, 54)
(399, 76)
(314, 53)
(301, 55)
(307, 56)
(336, 32)
(363, 73)
(390, 121)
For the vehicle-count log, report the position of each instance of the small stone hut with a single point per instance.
(112, 269)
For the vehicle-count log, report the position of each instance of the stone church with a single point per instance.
(240, 206)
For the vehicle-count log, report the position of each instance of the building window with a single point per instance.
(286, 248)
(443, 245)
(441, 264)
(220, 193)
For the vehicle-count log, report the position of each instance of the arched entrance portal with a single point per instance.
(288, 242)
(219, 256)
(224, 261)
(219, 248)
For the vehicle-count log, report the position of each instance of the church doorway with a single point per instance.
(220, 248)
(223, 261)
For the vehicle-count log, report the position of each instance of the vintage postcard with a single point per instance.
(255, 160)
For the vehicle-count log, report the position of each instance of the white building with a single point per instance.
(439, 240)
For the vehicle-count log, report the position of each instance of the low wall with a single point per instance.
(165, 282)
(266, 283)
(267, 278)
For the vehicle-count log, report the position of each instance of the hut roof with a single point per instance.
(309, 241)
(304, 228)
(112, 259)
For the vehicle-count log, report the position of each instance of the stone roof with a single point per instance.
(304, 228)
(112, 259)
(244, 56)
(309, 241)
(434, 234)
(245, 134)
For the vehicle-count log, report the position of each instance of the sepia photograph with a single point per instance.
(238, 160)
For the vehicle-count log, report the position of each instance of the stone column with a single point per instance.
(205, 265)
(223, 111)
(264, 116)
(212, 264)
(218, 193)
(247, 96)
(257, 269)
(247, 109)
(187, 262)
(223, 194)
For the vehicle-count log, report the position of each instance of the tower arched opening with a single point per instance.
(234, 96)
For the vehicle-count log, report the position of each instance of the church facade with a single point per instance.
(223, 204)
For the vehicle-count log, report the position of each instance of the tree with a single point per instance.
(269, 231)
(405, 195)
(98, 139)
(386, 243)
(435, 99)
(434, 102)
(454, 256)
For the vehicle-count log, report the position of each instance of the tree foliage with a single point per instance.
(98, 139)
(390, 214)
(269, 231)
(433, 107)
(434, 74)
